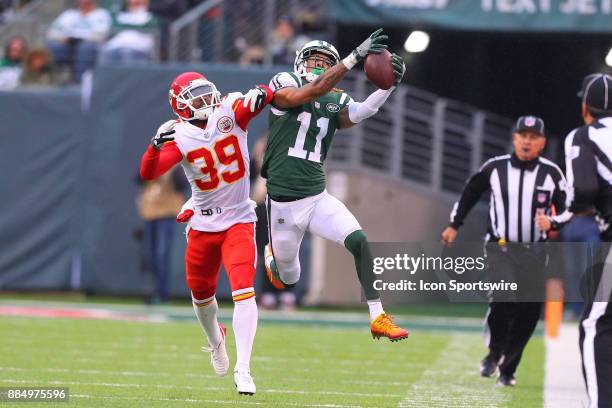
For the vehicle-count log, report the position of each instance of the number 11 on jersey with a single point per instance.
(298, 149)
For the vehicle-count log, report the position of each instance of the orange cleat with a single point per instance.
(383, 326)
(271, 269)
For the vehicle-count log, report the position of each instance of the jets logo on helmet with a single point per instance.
(192, 96)
(314, 50)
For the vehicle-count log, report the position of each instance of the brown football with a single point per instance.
(378, 69)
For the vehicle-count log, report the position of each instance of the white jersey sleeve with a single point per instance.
(231, 98)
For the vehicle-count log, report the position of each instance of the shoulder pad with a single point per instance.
(284, 80)
(230, 98)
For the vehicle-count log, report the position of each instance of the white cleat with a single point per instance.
(218, 355)
(244, 383)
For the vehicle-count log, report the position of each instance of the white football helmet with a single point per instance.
(326, 51)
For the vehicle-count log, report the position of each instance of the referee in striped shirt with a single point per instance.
(524, 189)
(588, 157)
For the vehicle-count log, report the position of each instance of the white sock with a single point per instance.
(244, 323)
(206, 312)
(376, 308)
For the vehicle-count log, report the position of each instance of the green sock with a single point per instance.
(275, 270)
(357, 244)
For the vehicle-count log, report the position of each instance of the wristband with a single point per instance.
(350, 61)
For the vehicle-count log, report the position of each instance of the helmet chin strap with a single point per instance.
(202, 114)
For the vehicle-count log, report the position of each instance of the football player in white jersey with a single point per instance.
(209, 140)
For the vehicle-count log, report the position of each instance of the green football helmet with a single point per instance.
(324, 50)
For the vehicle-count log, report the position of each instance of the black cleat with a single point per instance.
(506, 380)
(488, 366)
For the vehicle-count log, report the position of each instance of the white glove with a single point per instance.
(255, 99)
(163, 134)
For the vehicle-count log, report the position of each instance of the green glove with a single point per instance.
(399, 68)
(374, 44)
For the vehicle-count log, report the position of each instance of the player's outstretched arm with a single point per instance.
(257, 98)
(251, 104)
(291, 97)
(358, 111)
(161, 155)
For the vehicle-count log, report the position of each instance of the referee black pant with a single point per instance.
(596, 331)
(509, 328)
(513, 317)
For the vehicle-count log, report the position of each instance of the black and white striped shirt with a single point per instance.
(518, 190)
(588, 159)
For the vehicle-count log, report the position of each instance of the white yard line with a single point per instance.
(191, 400)
(453, 380)
(563, 382)
(159, 313)
(107, 372)
(134, 373)
(207, 388)
(191, 353)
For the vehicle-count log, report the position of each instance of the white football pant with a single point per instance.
(323, 215)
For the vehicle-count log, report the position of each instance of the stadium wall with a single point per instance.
(388, 211)
(70, 174)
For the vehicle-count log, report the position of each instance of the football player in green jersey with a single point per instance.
(306, 112)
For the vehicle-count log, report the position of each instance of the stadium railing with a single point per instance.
(220, 31)
(420, 137)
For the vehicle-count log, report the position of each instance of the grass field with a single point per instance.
(126, 363)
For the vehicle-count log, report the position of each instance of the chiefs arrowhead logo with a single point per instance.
(225, 124)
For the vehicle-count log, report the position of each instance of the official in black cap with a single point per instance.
(524, 187)
(588, 156)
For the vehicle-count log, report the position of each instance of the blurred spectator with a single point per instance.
(270, 296)
(9, 9)
(284, 42)
(134, 39)
(167, 11)
(75, 36)
(249, 54)
(159, 202)
(10, 65)
(14, 51)
(312, 20)
(38, 69)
